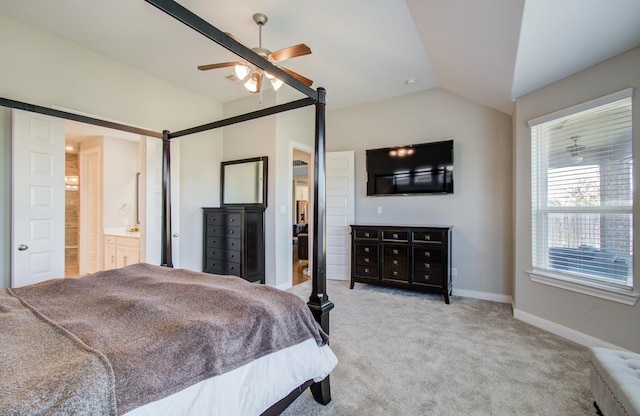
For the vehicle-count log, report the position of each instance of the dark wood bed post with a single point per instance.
(166, 255)
(319, 302)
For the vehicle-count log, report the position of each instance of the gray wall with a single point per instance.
(570, 313)
(480, 208)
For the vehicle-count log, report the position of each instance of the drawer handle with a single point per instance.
(427, 266)
(366, 270)
(231, 231)
(427, 254)
(366, 249)
(395, 262)
(232, 220)
(427, 237)
(395, 273)
(395, 235)
(395, 251)
(426, 277)
(366, 234)
(366, 260)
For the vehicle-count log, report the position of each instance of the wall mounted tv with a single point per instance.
(414, 169)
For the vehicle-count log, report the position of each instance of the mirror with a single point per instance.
(244, 182)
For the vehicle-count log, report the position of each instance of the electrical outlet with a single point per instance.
(454, 272)
(379, 211)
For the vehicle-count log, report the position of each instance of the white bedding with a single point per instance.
(250, 389)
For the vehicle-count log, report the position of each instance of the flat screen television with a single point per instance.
(414, 169)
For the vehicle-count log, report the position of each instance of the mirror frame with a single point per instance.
(223, 165)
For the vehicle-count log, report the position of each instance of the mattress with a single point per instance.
(250, 389)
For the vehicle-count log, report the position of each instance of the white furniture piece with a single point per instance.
(120, 251)
(615, 381)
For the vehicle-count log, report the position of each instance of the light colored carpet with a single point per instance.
(406, 353)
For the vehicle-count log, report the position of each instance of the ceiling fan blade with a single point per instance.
(233, 37)
(290, 52)
(297, 76)
(216, 66)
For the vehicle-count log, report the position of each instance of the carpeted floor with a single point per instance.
(406, 353)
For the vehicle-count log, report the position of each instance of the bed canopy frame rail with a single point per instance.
(318, 303)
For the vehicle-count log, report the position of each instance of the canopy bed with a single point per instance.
(105, 380)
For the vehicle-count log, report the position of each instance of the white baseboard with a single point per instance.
(495, 297)
(563, 331)
(284, 286)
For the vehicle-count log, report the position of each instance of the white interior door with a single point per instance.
(340, 213)
(153, 210)
(175, 202)
(38, 163)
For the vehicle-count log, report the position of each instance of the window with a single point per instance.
(582, 193)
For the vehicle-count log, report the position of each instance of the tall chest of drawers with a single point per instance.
(416, 258)
(234, 242)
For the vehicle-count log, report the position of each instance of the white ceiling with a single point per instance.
(490, 51)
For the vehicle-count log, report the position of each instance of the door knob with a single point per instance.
(23, 247)
(176, 234)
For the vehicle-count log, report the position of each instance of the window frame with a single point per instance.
(601, 288)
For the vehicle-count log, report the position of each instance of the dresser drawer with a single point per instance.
(232, 256)
(216, 230)
(366, 250)
(427, 266)
(217, 253)
(432, 255)
(366, 233)
(233, 268)
(395, 251)
(367, 260)
(216, 242)
(215, 266)
(395, 263)
(222, 267)
(234, 219)
(217, 218)
(426, 277)
(370, 272)
(233, 243)
(428, 237)
(233, 232)
(395, 235)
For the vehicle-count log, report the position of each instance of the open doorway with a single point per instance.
(301, 220)
(102, 198)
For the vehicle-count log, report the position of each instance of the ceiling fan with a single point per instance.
(575, 150)
(244, 70)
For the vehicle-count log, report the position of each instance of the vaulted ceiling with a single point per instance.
(489, 51)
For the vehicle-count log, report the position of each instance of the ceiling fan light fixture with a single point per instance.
(276, 83)
(242, 70)
(252, 84)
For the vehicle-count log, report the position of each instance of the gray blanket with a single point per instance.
(162, 330)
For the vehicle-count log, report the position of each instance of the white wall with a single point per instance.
(120, 167)
(41, 69)
(480, 208)
(566, 312)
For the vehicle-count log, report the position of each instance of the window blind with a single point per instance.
(582, 191)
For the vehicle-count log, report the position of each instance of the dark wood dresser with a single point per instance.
(416, 258)
(234, 242)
